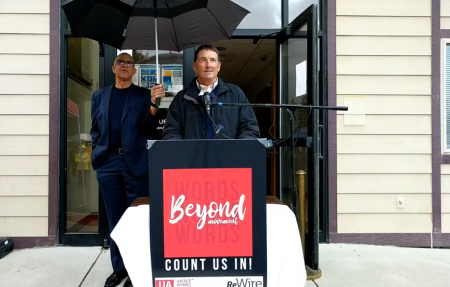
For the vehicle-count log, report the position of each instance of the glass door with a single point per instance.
(298, 83)
(82, 216)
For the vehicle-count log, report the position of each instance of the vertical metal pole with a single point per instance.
(158, 101)
(312, 256)
(294, 197)
(323, 95)
(301, 174)
(156, 48)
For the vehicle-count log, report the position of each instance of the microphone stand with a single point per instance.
(291, 110)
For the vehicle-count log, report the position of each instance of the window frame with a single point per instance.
(444, 43)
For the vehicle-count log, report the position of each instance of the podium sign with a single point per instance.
(208, 213)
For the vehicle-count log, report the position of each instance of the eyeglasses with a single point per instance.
(125, 63)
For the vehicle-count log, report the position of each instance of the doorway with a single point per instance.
(82, 216)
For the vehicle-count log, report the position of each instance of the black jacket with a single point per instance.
(186, 114)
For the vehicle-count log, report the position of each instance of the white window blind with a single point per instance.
(447, 97)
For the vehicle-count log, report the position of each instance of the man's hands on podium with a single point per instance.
(156, 92)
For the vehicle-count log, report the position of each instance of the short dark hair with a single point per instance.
(206, 47)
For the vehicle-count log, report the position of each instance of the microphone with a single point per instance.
(207, 102)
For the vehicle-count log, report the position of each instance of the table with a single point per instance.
(285, 263)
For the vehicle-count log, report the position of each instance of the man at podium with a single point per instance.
(192, 113)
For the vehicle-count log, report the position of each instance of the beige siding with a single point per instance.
(23, 165)
(24, 84)
(384, 144)
(383, 45)
(383, 223)
(383, 65)
(445, 15)
(373, 84)
(25, 23)
(445, 223)
(25, 6)
(24, 124)
(393, 105)
(23, 185)
(24, 44)
(384, 141)
(30, 206)
(384, 163)
(387, 124)
(371, 183)
(25, 226)
(23, 145)
(24, 117)
(384, 8)
(383, 26)
(25, 64)
(445, 199)
(24, 104)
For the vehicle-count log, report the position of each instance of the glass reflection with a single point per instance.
(294, 59)
(82, 187)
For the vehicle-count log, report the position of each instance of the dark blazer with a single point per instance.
(138, 126)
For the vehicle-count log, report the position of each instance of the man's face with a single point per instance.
(207, 65)
(124, 67)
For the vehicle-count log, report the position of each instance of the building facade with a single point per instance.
(392, 71)
(388, 61)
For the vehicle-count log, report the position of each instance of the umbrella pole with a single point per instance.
(156, 47)
(155, 3)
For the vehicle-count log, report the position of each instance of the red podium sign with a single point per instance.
(207, 212)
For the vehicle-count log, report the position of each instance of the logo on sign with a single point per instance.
(226, 216)
(164, 283)
(184, 283)
(207, 212)
(248, 282)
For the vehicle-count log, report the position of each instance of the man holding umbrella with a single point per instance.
(123, 119)
(188, 116)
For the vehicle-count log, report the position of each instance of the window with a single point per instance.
(445, 95)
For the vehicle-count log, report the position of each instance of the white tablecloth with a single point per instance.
(285, 264)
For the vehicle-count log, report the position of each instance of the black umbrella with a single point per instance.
(130, 24)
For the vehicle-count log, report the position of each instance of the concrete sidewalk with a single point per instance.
(351, 265)
(341, 264)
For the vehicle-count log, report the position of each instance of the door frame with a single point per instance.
(74, 239)
(317, 95)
